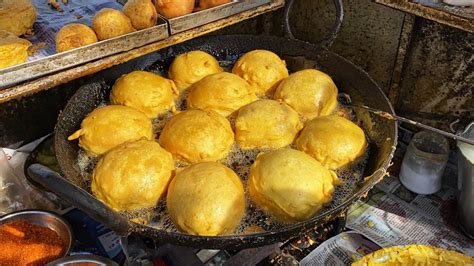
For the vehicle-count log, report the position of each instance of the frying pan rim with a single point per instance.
(376, 176)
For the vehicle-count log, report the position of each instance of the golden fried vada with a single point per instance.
(223, 93)
(144, 91)
(334, 141)
(142, 13)
(109, 126)
(197, 136)
(206, 199)
(74, 35)
(290, 185)
(133, 175)
(414, 255)
(266, 124)
(174, 8)
(262, 69)
(191, 67)
(13, 50)
(17, 16)
(109, 23)
(205, 4)
(310, 92)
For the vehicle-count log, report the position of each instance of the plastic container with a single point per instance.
(424, 163)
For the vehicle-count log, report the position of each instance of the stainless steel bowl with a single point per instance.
(86, 260)
(44, 219)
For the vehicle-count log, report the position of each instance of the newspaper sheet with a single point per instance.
(342, 249)
(49, 21)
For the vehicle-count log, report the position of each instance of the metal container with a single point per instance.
(466, 182)
(44, 219)
(85, 260)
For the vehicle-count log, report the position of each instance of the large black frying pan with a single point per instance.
(382, 133)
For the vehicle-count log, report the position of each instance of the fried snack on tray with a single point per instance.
(74, 35)
(109, 23)
(17, 16)
(142, 13)
(13, 50)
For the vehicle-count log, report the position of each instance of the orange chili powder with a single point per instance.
(23, 243)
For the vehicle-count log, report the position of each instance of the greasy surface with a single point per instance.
(142, 13)
(74, 35)
(13, 50)
(290, 185)
(438, 75)
(310, 92)
(144, 91)
(223, 93)
(191, 67)
(266, 124)
(458, 17)
(332, 140)
(262, 69)
(109, 23)
(133, 175)
(17, 16)
(197, 136)
(108, 126)
(206, 199)
(414, 255)
(174, 8)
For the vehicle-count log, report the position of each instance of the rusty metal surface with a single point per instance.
(44, 83)
(57, 62)
(458, 17)
(200, 18)
(438, 75)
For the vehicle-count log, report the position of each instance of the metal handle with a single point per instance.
(330, 37)
(79, 198)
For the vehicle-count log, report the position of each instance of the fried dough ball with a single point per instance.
(290, 185)
(310, 92)
(142, 13)
(17, 16)
(133, 175)
(109, 23)
(205, 4)
(174, 8)
(206, 199)
(414, 255)
(144, 91)
(262, 69)
(191, 67)
(74, 35)
(197, 136)
(109, 126)
(223, 93)
(266, 124)
(334, 141)
(13, 50)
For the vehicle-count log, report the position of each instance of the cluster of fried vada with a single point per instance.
(289, 116)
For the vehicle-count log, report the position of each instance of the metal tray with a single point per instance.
(200, 18)
(57, 62)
